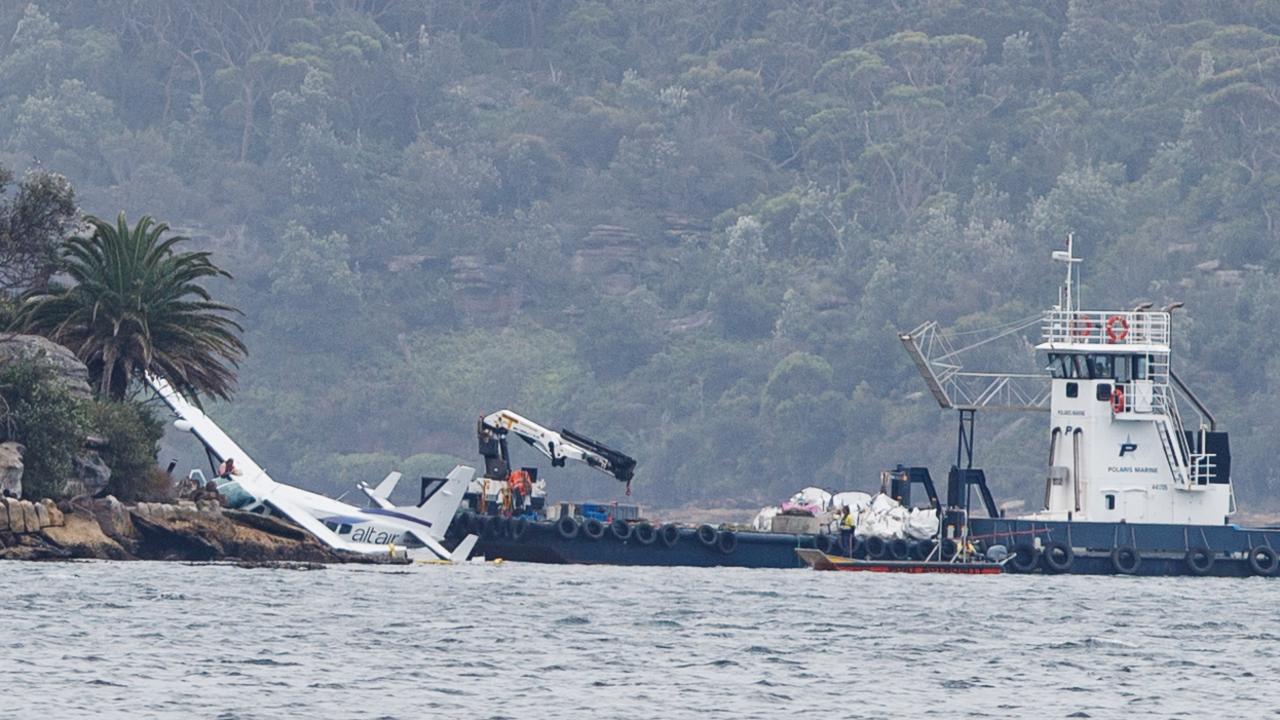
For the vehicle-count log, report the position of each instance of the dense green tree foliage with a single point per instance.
(34, 220)
(688, 229)
(52, 424)
(40, 414)
(132, 434)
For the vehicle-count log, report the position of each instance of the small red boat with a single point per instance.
(819, 560)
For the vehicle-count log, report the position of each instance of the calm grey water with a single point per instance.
(151, 640)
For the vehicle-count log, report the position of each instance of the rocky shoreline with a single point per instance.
(106, 529)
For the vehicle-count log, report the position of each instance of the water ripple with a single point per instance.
(155, 640)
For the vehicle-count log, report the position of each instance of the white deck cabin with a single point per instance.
(1118, 449)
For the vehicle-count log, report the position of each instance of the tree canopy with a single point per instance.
(137, 305)
(690, 230)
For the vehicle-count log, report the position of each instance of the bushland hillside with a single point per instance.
(690, 230)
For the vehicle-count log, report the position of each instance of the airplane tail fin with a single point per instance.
(441, 498)
(387, 486)
(380, 495)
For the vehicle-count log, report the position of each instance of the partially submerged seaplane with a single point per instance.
(387, 529)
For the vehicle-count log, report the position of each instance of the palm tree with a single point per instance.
(136, 306)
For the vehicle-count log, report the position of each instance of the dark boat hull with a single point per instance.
(1149, 549)
(541, 543)
(1161, 549)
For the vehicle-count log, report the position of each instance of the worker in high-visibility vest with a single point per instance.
(521, 488)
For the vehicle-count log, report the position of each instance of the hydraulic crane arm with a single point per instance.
(492, 431)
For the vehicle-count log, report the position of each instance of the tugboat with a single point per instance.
(1130, 489)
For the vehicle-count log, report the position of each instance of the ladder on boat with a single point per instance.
(1170, 452)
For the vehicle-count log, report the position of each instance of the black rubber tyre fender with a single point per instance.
(1263, 561)
(518, 527)
(669, 535)
(502, 527)
(1125, 559)
(593, 528)
(948, 550)
(1199, 560)
(921, 550)
(1025, 557)
(1057, 557)
(876, 547)
(567, 527)
(620, 530)
(484, 526)
(899, 549)
(645, 534)
(727, 542)
(708, 535)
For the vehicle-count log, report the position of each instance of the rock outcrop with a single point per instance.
(610, 255)
(481, 290)
(82, 537)
(11, 469)
(66, 367)
(91, 474)
(103, 528)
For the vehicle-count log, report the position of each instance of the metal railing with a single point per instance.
(1203, 469)
(1132, 398)
(1096, 327)
(1198, 468)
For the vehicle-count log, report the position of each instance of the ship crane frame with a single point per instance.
(492, 431)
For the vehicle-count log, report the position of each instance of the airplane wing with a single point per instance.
(333, 540)
(320, 530)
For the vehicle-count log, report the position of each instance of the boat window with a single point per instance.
(1100, 367)
(1140, 365)
(1104, 392)
(1058, 367)
(1073, 390)
(1111, 502)
(1123, 368)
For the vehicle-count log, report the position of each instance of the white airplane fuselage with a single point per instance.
(339, 525)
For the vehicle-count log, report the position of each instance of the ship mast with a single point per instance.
(1069, 293)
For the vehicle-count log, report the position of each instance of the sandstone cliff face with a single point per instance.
(481, 290)
(610, 255)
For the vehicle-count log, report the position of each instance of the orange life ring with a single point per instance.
(1115, 335)
(1117, 400)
